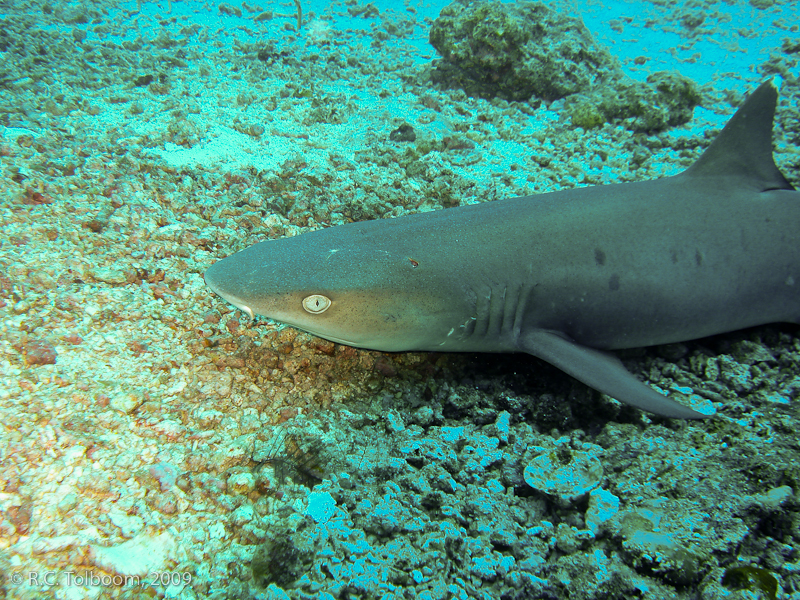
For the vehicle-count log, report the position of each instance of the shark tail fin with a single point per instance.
(744, 147)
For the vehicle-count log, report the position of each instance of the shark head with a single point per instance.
(327, 283)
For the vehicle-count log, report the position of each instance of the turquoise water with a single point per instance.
(157, 442)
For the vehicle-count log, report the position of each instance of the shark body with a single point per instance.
(565, 276)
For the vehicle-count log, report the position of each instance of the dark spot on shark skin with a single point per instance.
(599, 257)
(673, 255)
(613, 282)
(698, 258)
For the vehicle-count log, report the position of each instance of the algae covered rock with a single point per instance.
(528, 50)
(564, 472)
(652, 542)
(666, 100)
(516, 51)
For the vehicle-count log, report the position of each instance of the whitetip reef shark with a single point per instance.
(566, 276)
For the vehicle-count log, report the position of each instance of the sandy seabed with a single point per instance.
(157, 444)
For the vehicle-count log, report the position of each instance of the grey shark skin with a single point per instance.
(565, 276)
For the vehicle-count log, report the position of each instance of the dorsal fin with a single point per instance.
(744, 147)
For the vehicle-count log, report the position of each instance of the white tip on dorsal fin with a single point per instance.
(744, 147)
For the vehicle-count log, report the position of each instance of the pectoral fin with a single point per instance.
(602, 371)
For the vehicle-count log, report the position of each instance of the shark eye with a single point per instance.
(316, 304)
